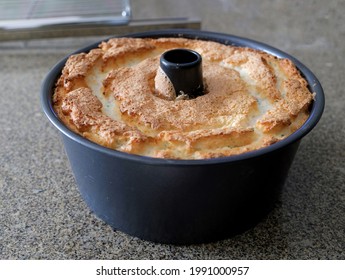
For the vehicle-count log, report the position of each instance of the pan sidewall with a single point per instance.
(179, 205)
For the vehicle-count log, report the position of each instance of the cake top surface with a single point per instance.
(118, 96)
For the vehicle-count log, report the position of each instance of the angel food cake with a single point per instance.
(117, 96)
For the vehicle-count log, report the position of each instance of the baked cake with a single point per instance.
(116, 95)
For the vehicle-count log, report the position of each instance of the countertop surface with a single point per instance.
(42, 215)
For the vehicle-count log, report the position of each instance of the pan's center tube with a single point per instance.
(184, 69)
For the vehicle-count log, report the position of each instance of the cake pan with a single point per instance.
(182, 201)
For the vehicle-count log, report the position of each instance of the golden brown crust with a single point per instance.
(117, 96)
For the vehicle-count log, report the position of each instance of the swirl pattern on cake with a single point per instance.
(117, 96)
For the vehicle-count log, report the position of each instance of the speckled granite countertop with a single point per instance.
(42, 215)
